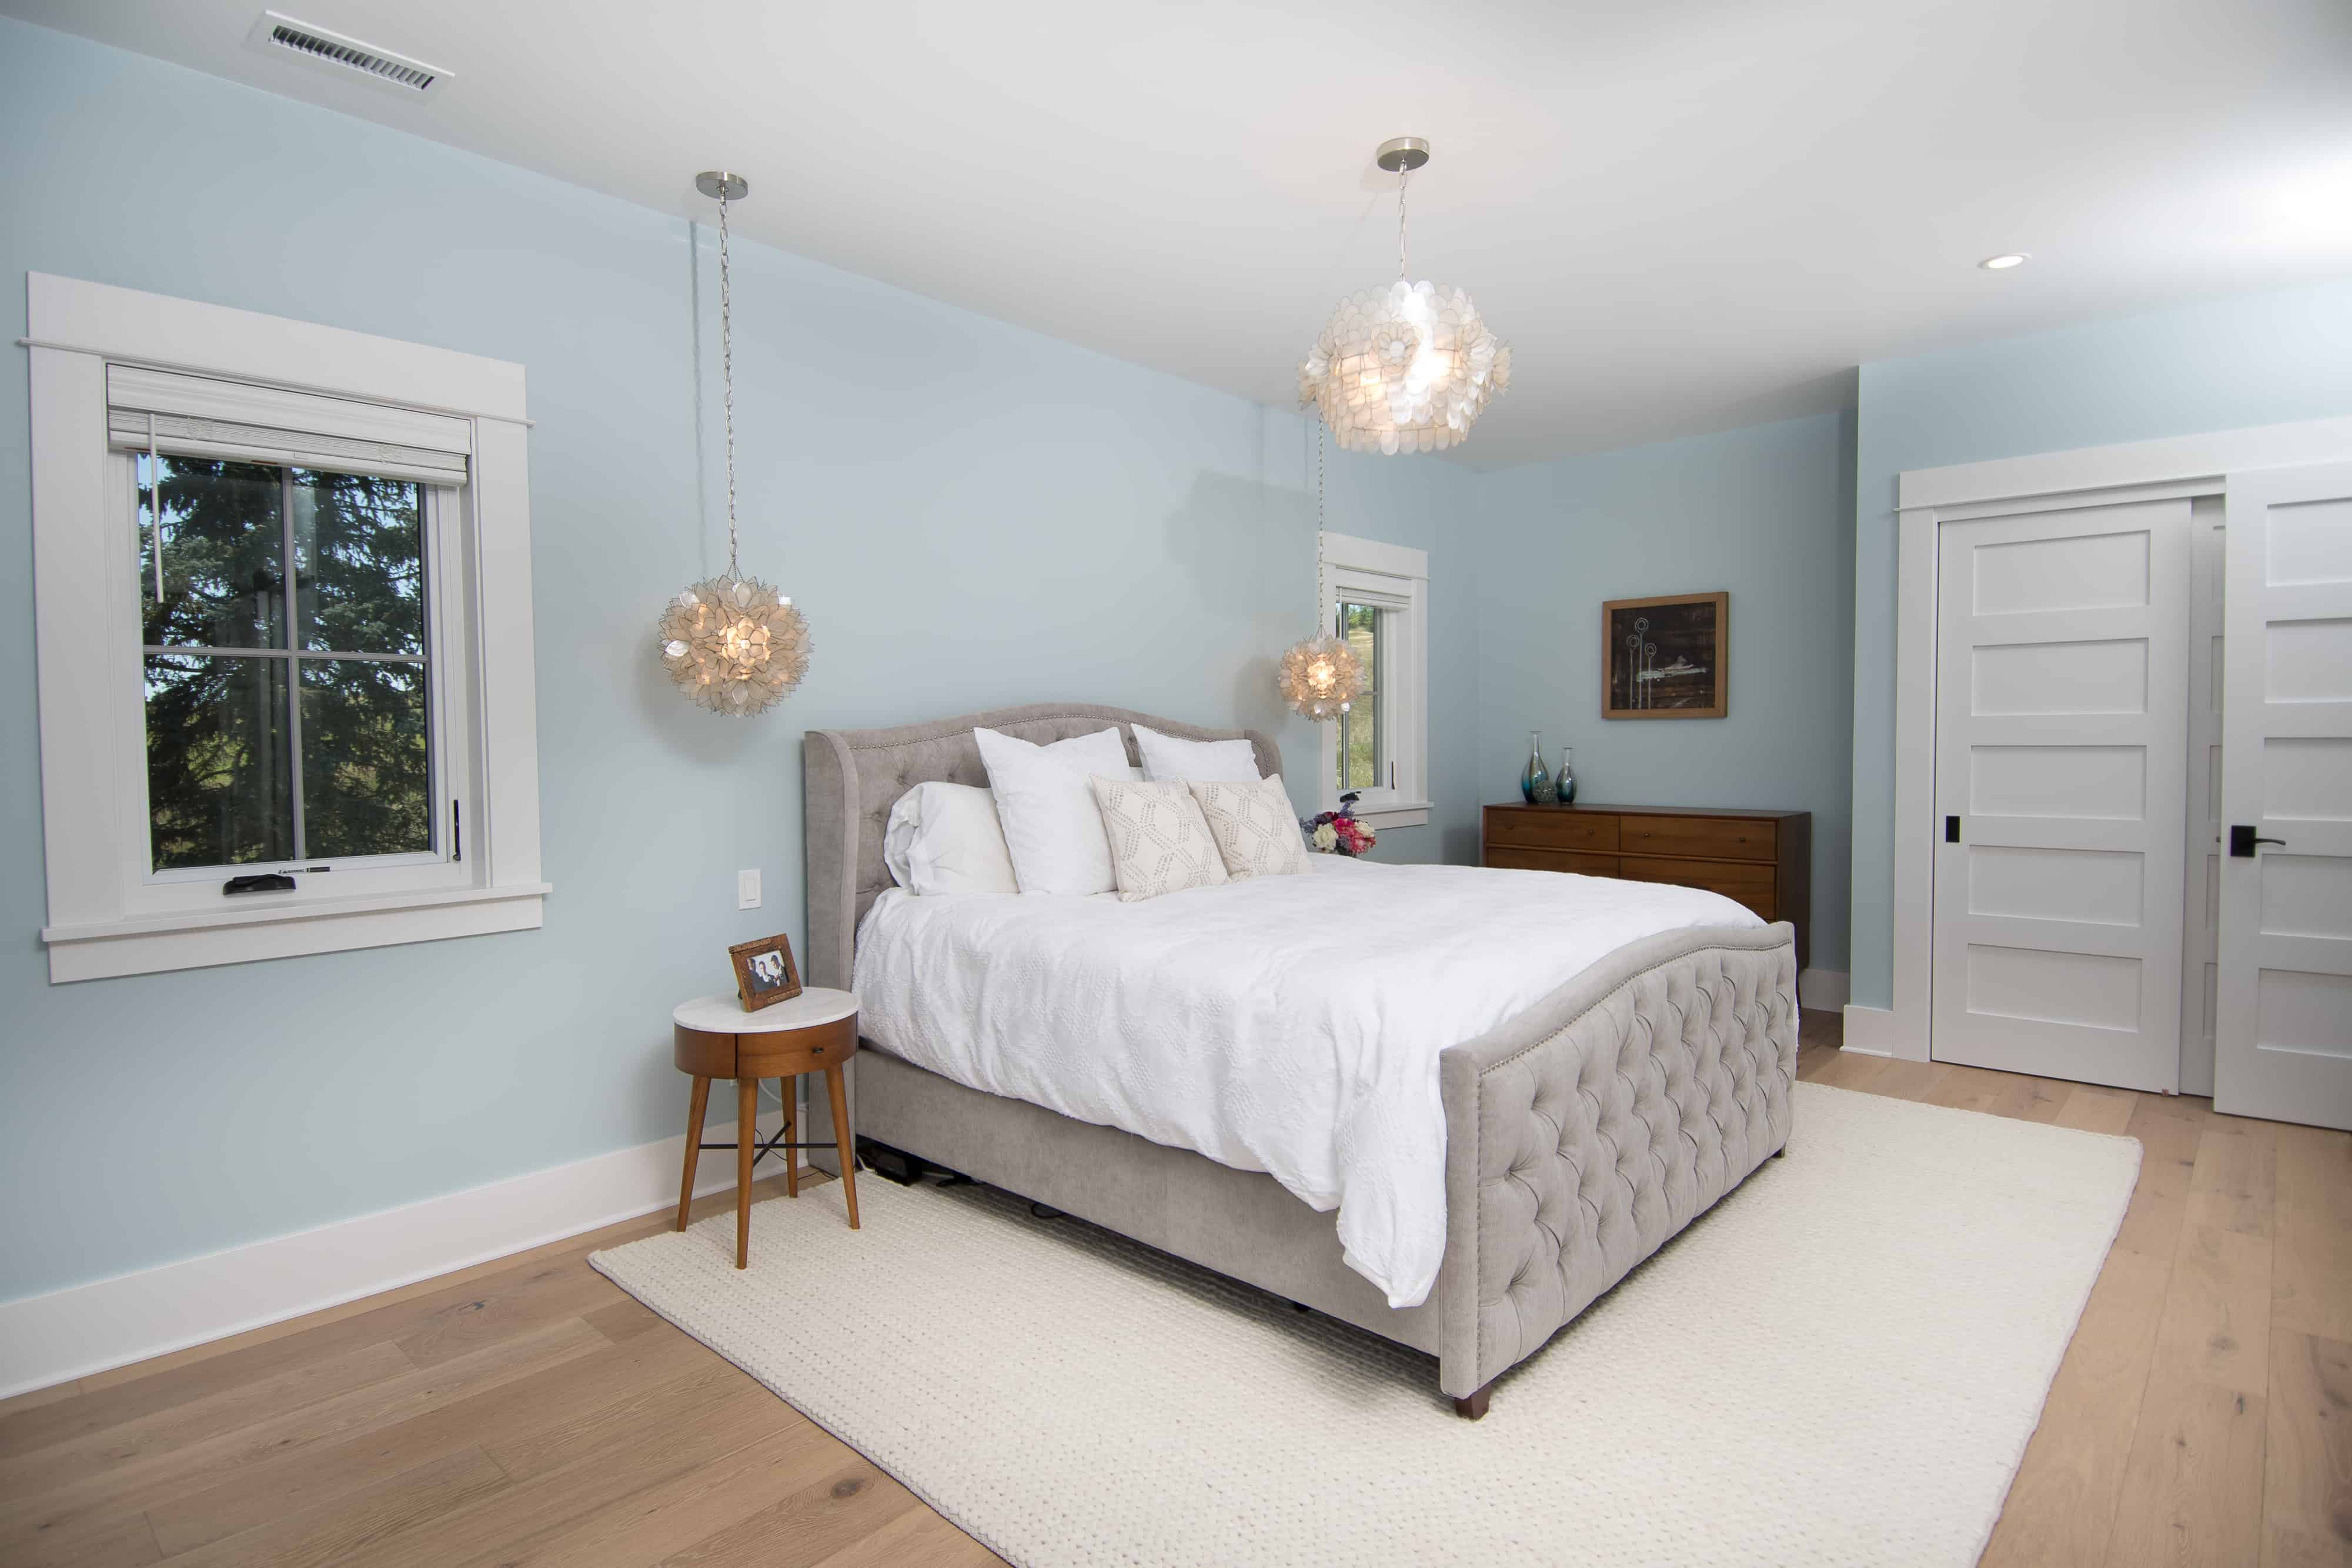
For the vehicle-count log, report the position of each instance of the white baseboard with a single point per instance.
(1822, 990)
(90, 1328)
(1874, 1031)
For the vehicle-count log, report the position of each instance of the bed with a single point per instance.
(1579, 1132)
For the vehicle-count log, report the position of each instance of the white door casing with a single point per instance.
(2200, 904)
(2061, 730)
(2283, 1020)
(1928, 498)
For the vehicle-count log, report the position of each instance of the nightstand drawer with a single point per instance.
(1709, 838)
(811, 1050)
(1753, 885)
(1504, 857)
(1553, 828)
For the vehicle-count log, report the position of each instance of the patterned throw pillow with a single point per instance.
(1253, 827)
(1159, 842)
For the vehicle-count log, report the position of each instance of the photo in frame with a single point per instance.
(1665, 657)
(764, 972)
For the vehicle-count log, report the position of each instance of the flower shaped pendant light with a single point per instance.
(1408, 368)
(1320, 676)
(731, 644)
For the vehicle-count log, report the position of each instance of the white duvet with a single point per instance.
(1286, 1024)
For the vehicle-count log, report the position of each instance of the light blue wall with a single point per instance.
(2223, 364)
(972, 515)
(1761, 512)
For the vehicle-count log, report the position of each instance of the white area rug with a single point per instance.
(1840, 1364)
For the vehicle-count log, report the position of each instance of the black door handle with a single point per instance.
(2243, 840)
(1951, 830)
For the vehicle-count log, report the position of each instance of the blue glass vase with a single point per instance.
(1563, 782)
(1535, 781)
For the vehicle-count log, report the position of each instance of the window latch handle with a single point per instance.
(265, 881)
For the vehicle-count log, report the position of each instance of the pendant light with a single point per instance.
(732, 643)
(1408, 368)
(1320, 676)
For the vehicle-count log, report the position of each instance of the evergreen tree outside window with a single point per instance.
(287, 663)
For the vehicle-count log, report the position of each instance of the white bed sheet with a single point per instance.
(1286, 1024)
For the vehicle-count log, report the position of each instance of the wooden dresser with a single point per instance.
(1762, 859)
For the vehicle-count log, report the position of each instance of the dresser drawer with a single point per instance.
(1709, 838)
(1507, 857)
(1753, 885)
(1551, 829)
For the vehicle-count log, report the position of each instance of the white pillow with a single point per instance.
(1159, 841)
(1052, 826)
(1254, 829)
(1165, 758)
(944, 838)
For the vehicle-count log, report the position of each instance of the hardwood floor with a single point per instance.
(527, 1412)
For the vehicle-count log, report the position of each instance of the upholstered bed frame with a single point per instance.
(1580, 1135)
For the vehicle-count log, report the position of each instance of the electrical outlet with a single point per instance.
(747, 889)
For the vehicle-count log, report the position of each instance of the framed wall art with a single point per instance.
(1664, 657)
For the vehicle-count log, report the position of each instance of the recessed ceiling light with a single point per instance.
(2003, 263)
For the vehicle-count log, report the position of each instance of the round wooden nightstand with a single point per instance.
(815, 1031)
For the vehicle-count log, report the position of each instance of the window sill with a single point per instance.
(285, 929)
(1395, 814)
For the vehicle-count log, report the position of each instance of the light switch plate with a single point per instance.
(747, 889)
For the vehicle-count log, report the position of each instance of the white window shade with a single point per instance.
(200, 416)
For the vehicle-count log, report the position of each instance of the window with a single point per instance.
(286, 675)
(1379, 748)
(254, 586)
(1362, 763)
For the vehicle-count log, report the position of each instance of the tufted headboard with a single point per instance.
(854, 777)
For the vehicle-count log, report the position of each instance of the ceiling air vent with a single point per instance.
(279, 34)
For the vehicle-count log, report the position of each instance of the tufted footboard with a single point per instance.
(1586, 1131)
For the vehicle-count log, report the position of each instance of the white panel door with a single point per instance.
(2061, 733)
(2283, 1027)
(2201, 909)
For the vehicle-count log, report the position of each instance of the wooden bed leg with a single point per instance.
(1473, 1407)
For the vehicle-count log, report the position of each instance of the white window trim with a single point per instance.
(98, 925)
(1397, 576)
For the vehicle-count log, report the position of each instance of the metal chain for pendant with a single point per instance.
(1403, 175)
(727, 376)
(1320, 580)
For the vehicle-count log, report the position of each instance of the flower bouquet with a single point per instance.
(1338, 833)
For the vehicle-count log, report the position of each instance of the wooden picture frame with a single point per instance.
(1667, 657)
(764, 972)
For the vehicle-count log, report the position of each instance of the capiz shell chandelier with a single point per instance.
(732, 643)
(1320, 676)
(1408, 368)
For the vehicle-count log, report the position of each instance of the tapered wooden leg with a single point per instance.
(1472, 1407)
(840, 1138)
(789, 1091)
(747, 1140)
(693, 1146)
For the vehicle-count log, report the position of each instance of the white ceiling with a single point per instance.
(1682, 216)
